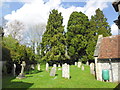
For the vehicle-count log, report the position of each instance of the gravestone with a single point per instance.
(53, 71)
(59, 65)
(38, 65)
(87, 63)
(65, 71)
(82, 68)
(32, 66)
(54, 65)
(14, 68)
(75, 63)
(21, 75)
(63, 75)
(92, 68)
(47, 67)
(79, 64)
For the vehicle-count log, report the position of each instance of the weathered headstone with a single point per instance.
(53, 71)
(82, 68)
(14, 68)
(38, 65)
(79, 64)
(65, 71)
(21, 75)
(92, 68)
(59, 65)
(75, 63)
(63, 75)
(68, 72)
(32, 66)
(47, 67)
(54, 65)
(87, 63)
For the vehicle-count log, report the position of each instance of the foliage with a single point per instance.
(98, 26)
(53, 40)
(76, 35)
(15, 52)
(1, 32)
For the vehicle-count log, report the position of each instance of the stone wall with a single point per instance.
(105, 64)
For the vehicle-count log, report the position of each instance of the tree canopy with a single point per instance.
(53, 40)
(77, 31)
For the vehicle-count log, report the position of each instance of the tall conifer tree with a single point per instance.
(76, 35)
(53, 40)
(98, 26)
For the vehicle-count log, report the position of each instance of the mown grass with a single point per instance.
(79, 79)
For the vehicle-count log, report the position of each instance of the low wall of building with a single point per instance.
(113, 67)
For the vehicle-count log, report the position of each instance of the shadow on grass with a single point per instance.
(117, 87)
(33, 72)
(7, 83)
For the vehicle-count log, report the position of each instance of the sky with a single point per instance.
(32, 12)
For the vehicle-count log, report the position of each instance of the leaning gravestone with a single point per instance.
(53, 71)
(54, 65)
(65, 71)
(82, 68)
(79, 64)
(75, 63)
(14, 68)
(47, 67)
(38, 65)
(21, 75)
(92, 68)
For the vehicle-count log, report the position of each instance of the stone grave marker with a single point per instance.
(38, 65)
(53, 71)
(14, 68)
(92, 68)
(82, 68)
(79, 64)
(75, 63)
(21, 75)
(65, 71)
(32, 66)
(47, 67)
(87, 63)
(59, 65)
(54, 65)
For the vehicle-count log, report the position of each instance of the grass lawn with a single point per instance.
(79, 79)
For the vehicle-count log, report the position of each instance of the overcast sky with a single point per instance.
(37, 11)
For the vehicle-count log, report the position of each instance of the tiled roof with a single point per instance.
(110, 47)
(97, 48)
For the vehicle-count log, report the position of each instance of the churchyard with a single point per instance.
(77, 78)
(48, 56)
